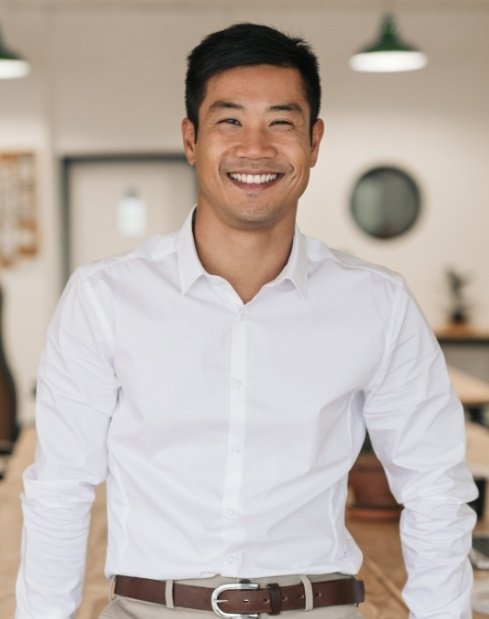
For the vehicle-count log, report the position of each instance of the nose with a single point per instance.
(255, 143)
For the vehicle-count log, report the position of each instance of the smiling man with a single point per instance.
(221, 379)
(256, 144)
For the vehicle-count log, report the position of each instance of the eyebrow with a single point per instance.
(230, 105)
(225, 105)
(286, 107)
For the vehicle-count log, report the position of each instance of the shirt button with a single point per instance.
(231, 513)
(236, 449)
(237, 384)
(230, 559)
(242, 316)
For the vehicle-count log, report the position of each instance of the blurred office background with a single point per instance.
(101, 107)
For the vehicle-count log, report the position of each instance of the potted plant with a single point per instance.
(459, 307)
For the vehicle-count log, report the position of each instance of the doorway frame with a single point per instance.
(67, 165)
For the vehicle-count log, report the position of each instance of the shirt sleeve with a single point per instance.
(416, 424)
(76, 394)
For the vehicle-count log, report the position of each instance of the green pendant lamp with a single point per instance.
(11, 64)
(389, 53)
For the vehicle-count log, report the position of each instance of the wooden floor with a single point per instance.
(382, 571)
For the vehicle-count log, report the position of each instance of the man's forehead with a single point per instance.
(234, 87)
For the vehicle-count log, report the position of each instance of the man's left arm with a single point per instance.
(416, 424)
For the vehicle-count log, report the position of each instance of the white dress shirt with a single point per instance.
(226, 430)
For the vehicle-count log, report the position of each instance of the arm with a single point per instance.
(417, 428)
(77, 391)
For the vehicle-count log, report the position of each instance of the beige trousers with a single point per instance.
(127, 608)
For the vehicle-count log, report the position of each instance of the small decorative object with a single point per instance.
(18, 218)
(459, 308)
(372, 498)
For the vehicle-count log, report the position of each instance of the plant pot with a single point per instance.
(372, 498)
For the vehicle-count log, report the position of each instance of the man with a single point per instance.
(221, 378)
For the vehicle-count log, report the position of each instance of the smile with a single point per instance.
(253, 179)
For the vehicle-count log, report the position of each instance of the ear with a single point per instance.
(188, 135)
(317, 136)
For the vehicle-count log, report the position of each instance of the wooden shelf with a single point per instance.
(467, 334)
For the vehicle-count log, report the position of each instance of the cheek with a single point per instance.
(208, 167)
(302, 162)
(210, 153)
(298, 151)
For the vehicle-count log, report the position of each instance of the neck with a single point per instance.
(247, 259)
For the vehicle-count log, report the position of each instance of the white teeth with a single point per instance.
(253, 179)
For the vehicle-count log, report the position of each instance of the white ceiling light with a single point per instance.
(389, 53)
(11, 64)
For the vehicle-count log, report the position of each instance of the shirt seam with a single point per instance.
(390, 340)
(102, 319)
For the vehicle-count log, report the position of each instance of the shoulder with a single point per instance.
(370, 298)
(344, 265)
(132, 273)
(157, 249)
(119, 278)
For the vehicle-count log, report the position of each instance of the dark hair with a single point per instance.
(246, 44)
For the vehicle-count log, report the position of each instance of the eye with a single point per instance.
(282, 122)
(228, 121)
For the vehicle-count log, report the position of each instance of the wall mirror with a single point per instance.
(385, 202)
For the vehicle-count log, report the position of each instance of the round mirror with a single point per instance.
(385, 202)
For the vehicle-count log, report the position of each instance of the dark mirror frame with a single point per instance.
(385, 202)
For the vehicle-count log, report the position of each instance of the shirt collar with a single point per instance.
(297, 266)
(190, 268)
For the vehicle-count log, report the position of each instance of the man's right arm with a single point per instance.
(76, 395)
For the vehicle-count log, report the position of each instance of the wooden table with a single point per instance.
(473, 393)
(382, 571)
(467, 346)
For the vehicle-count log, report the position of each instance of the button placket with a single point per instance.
(237, 422)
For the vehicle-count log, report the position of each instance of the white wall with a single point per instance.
(112, 80)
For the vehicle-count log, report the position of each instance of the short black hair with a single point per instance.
(246, 44)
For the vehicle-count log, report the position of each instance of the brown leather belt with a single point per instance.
(243, 598)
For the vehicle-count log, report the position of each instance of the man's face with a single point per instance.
(254, 148)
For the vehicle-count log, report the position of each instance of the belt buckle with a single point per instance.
(233, 586)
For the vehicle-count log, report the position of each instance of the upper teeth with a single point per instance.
(254, 179)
